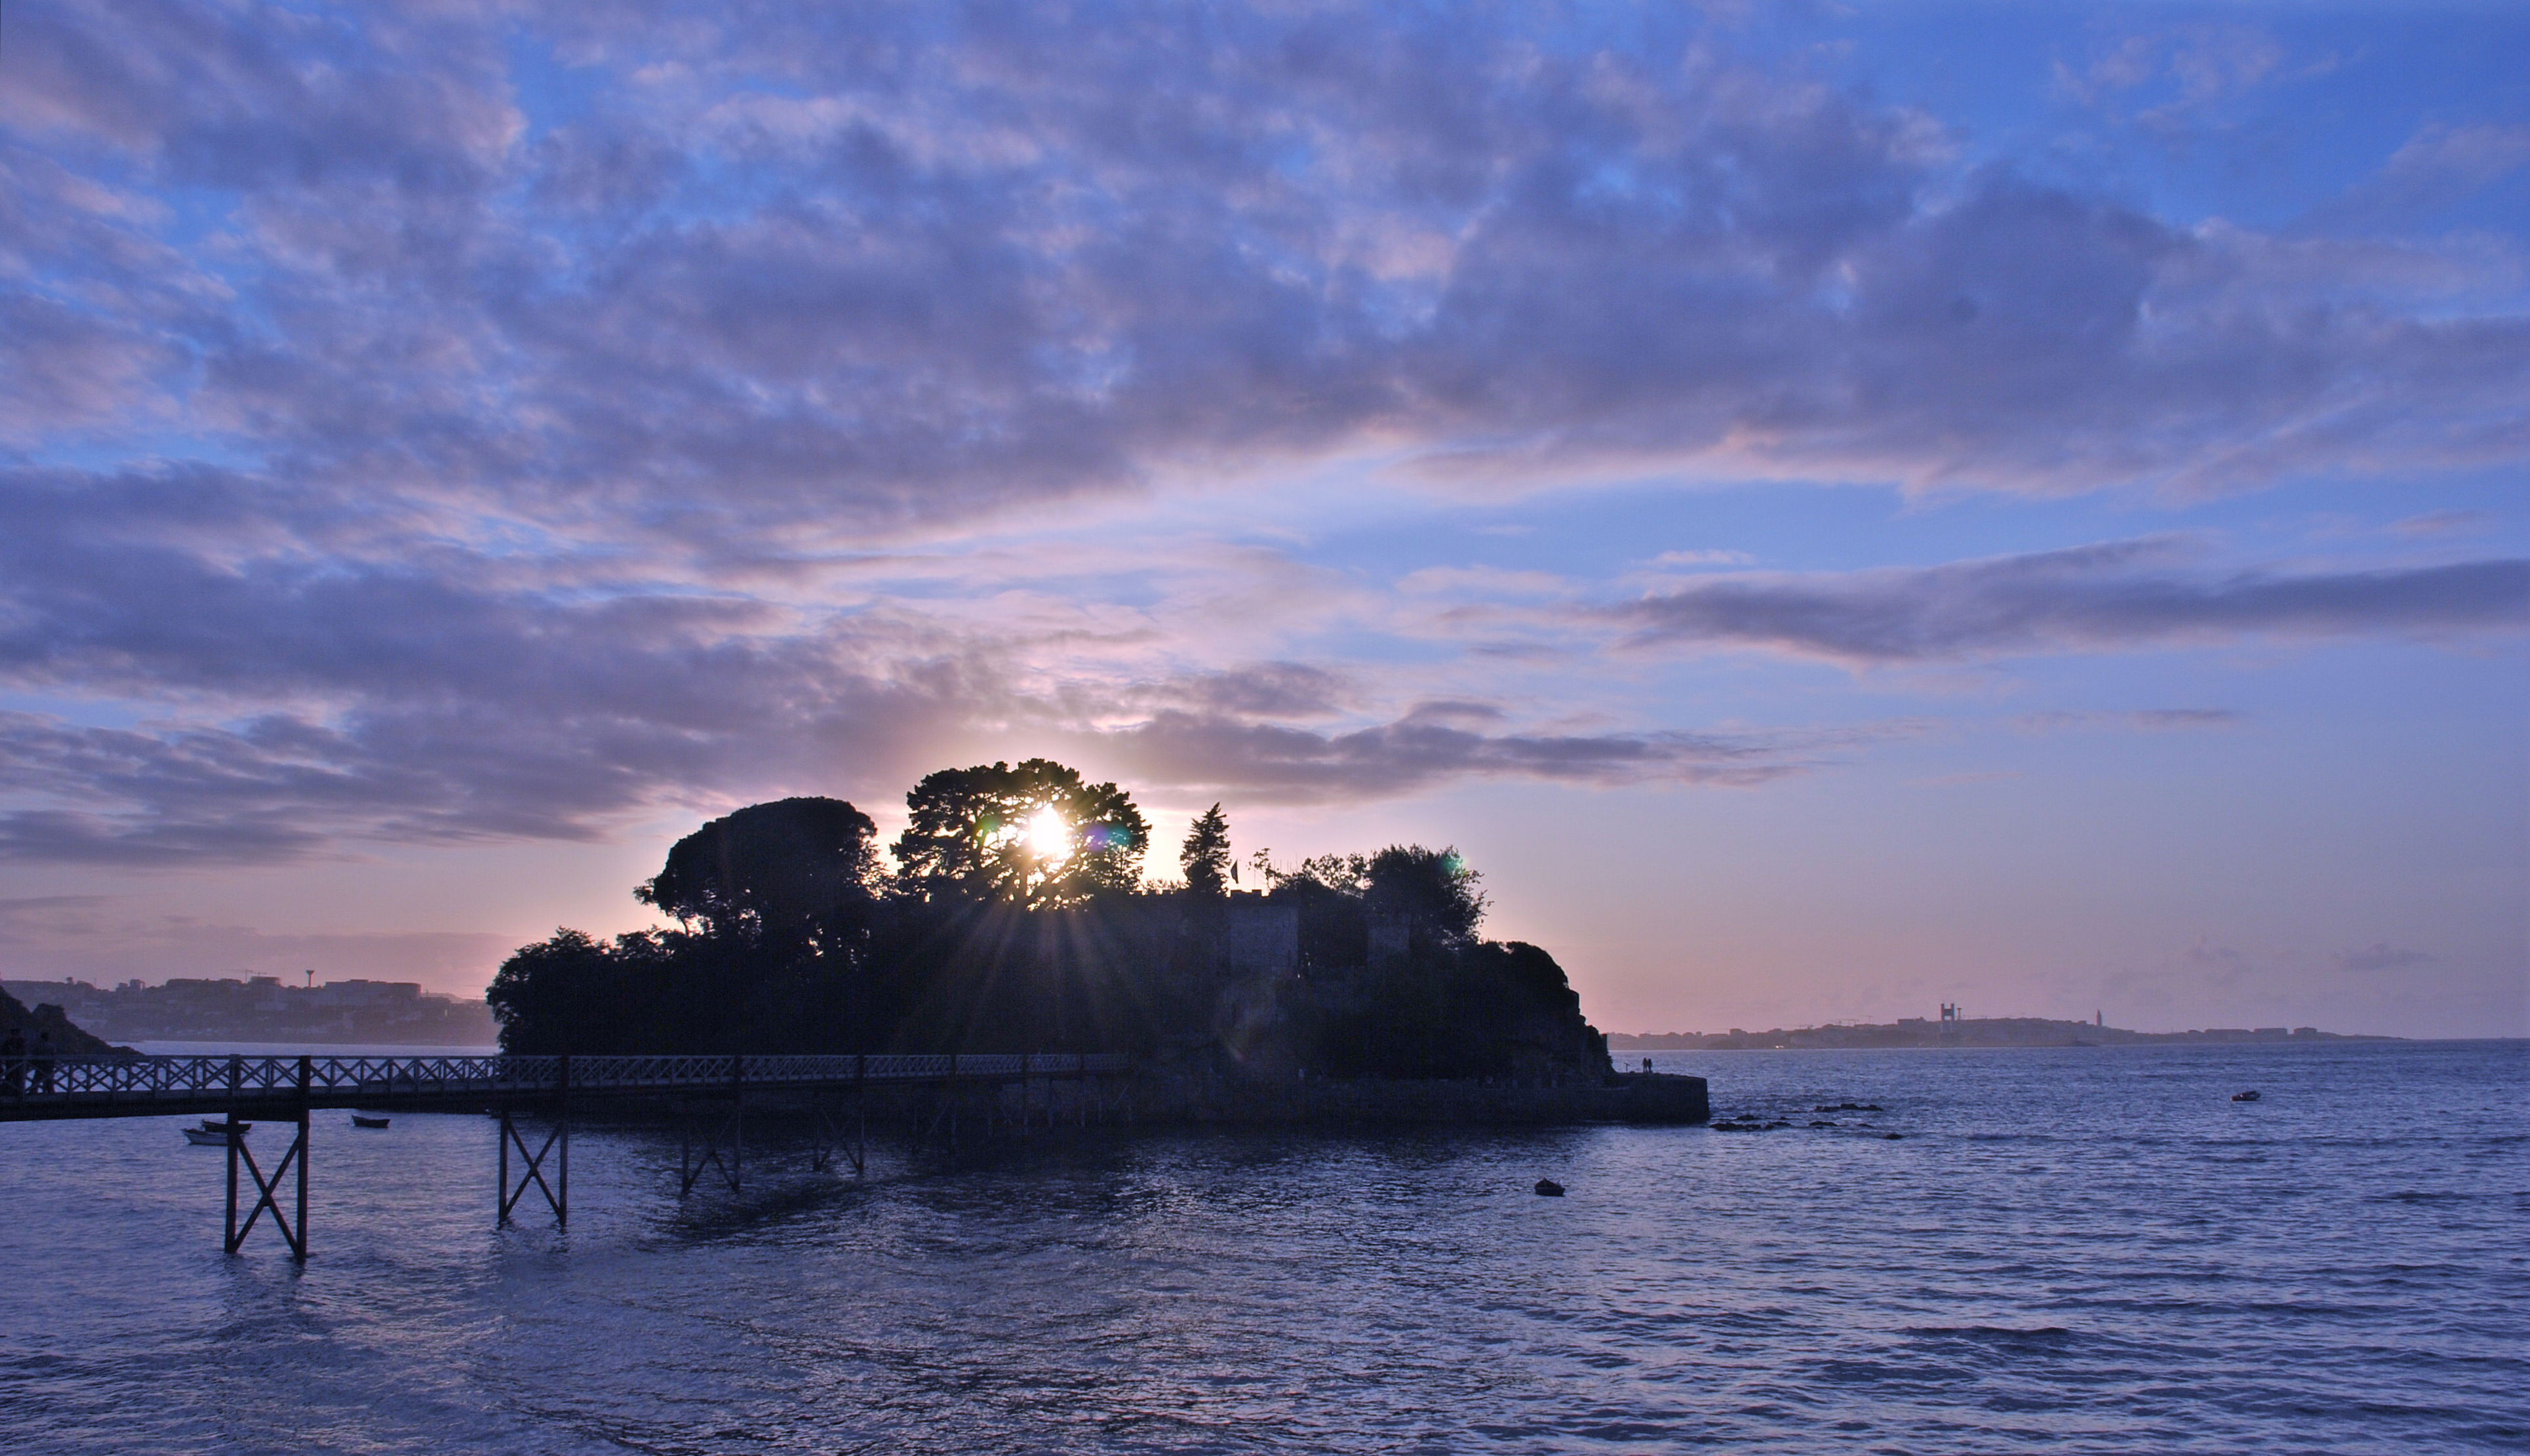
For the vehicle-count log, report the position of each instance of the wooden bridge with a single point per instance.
(288, 1089)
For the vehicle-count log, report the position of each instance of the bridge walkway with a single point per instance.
(236, 1089)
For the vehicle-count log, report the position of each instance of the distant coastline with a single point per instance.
(1981, 1031)
(266, 1009)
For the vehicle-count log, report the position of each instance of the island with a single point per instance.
(1015, 917)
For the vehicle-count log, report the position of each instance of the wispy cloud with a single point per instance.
(2439, 164)
(2444, 524)
(2380, 956)
(2143, 720)
(1429, 747)
(2096, 598)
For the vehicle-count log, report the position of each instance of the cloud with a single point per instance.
(1264, 690)
(281, 788)
(2438, 165)
(290, 694)
(1709, 557)
(452, 421)
(1428, 747)
(313, 702)
(773, 275)
(2113, 596)
(1955, 781)
(2445, 523)
(1488, 581)
(2147, 719)
(2382, 956)
(284, 789)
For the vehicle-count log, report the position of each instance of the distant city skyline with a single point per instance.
(1832, 511)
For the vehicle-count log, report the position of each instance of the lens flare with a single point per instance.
(1048, 835)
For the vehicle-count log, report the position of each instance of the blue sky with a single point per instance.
(1833, 508)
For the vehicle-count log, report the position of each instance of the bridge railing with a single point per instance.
(148, 1078)
(143, 1076)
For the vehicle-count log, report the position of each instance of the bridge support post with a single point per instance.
(561, 1203)
(293, 1226)
(732, 1130)
(534, 1173)
(556, 1143)
(237, 1071)
(829, 1134)
(305, 1075)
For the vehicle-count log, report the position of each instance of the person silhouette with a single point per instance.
(43, 1062)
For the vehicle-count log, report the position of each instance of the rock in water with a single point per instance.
(1548, 1188)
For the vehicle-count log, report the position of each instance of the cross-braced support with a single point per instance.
(294, 1225)
(944, 1115)
(829, 1138)
(556, 1143)
(723, 1149)
(731, 1131)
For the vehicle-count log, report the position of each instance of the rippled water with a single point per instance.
(2082, 1249)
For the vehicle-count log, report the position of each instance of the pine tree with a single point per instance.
(1206, 855)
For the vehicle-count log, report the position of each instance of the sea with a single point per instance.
(2075, 1250)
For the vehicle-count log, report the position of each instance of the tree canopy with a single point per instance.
(1017, 921)
(1433, 888)
(796, 873)
(1034, 834)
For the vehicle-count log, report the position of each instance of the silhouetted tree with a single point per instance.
(1432, 887)
(1326, 891)
(974, 834)
(789, 877)
(1206, 855)
(1014, 927)
(572, 993)
(1433, 890)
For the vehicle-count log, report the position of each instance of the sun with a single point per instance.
(1048, 836)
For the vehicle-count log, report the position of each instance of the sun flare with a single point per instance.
(1048, 835)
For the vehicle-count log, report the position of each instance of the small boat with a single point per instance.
(204, 1136)
(2246, 1096)
(1548, 1188)
(363, 1119)
(213, 1124)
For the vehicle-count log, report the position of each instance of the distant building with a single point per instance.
(247, 1007)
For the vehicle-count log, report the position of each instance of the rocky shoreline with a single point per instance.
(68, 1039)
(1636, 1098)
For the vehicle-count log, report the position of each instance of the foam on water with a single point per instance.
(2087, 1249)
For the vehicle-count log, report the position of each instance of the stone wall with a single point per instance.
(1260, 938)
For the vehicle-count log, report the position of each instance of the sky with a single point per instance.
(1832, 509)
